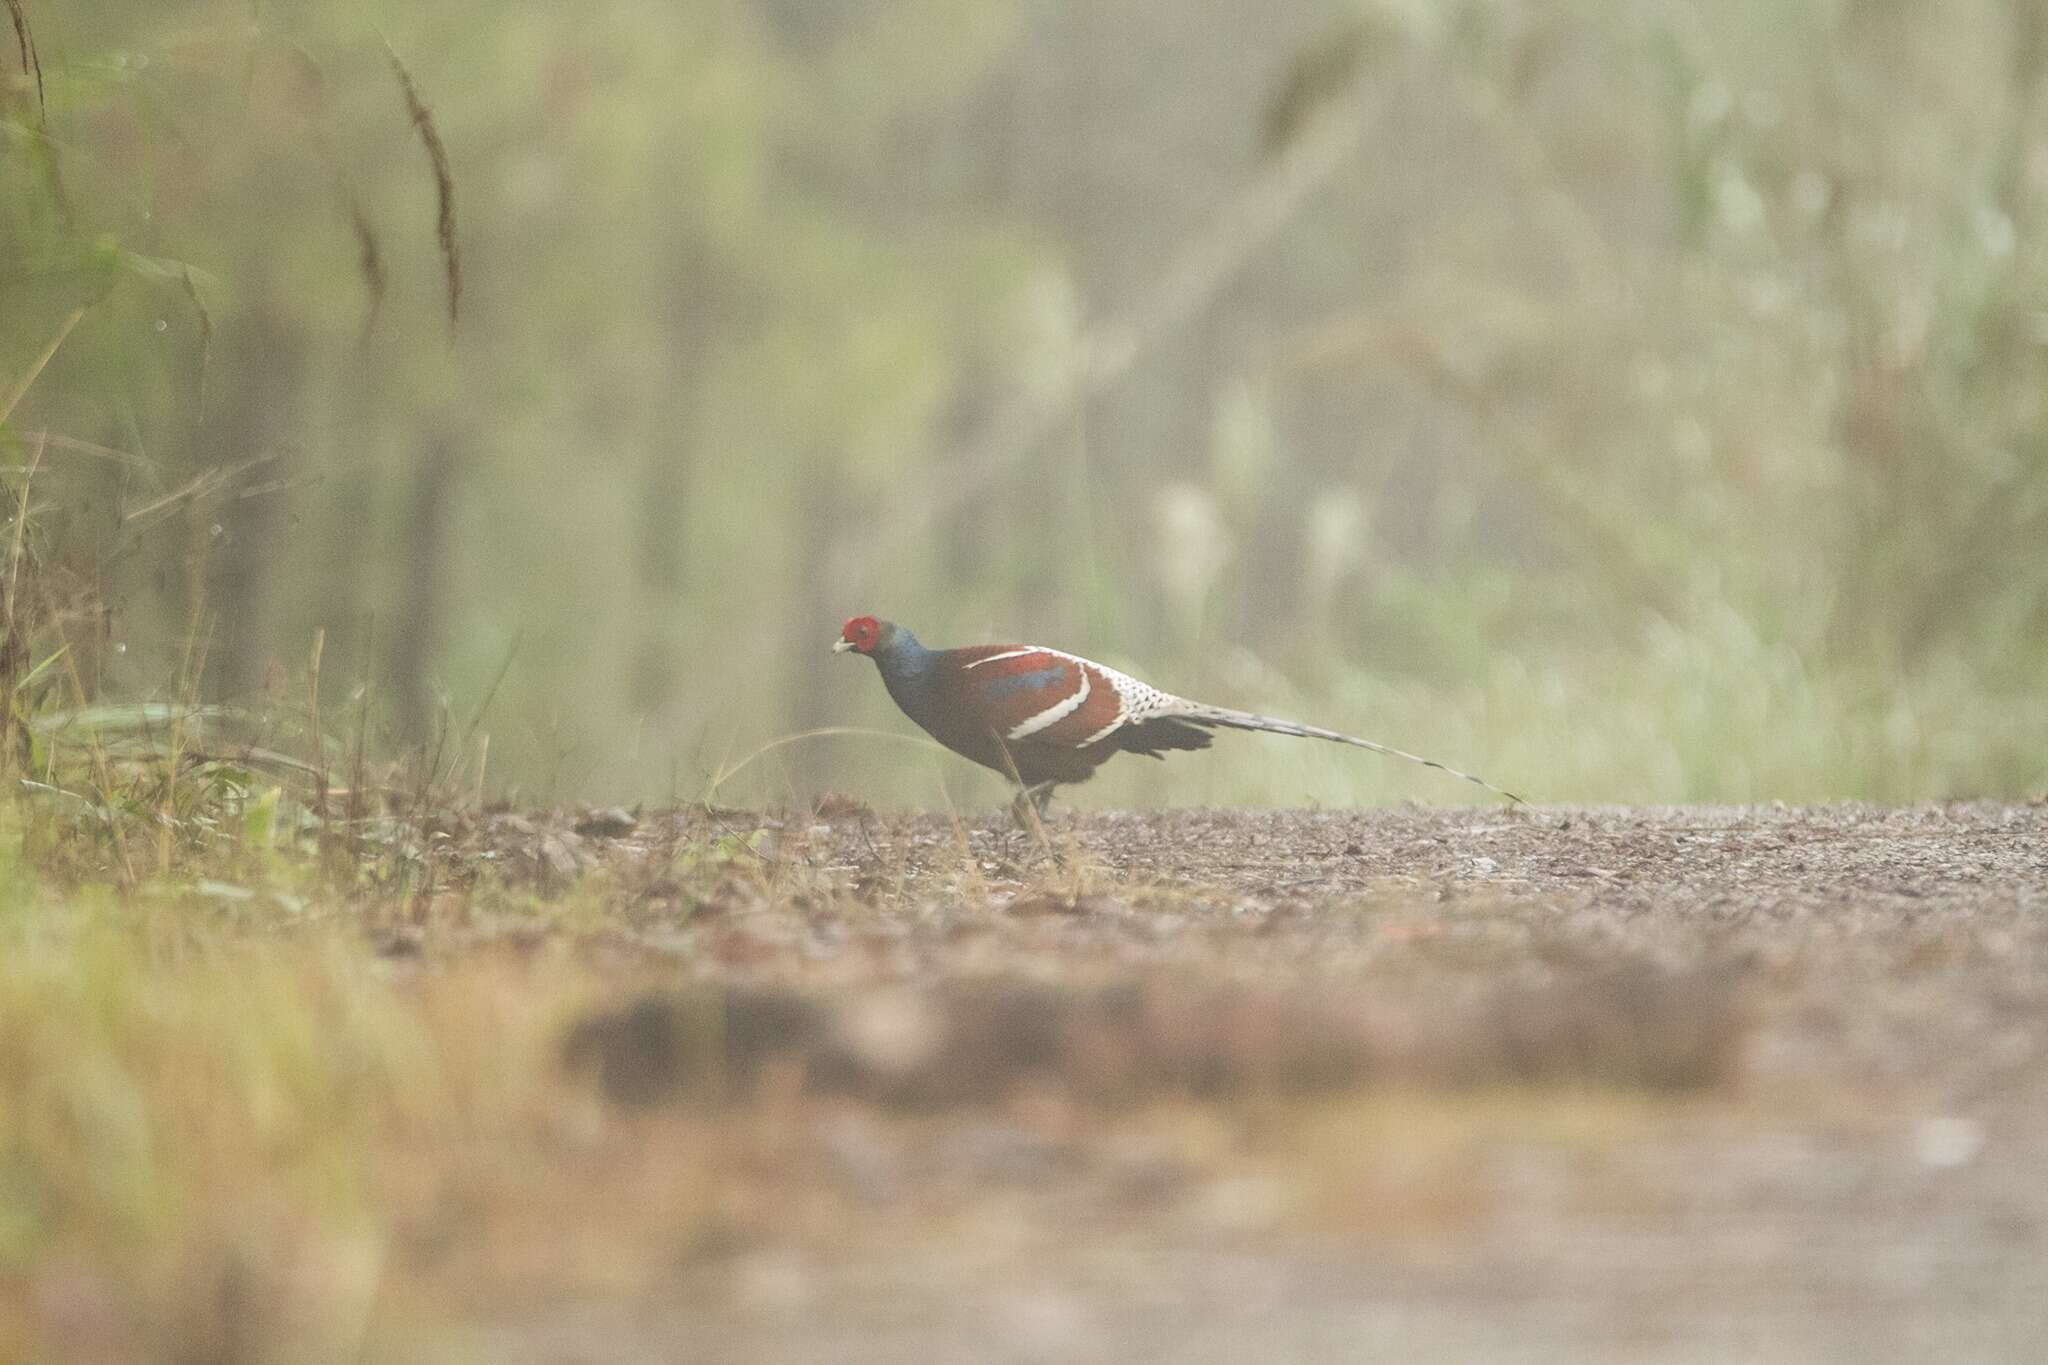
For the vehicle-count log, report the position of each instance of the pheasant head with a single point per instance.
(863, 635)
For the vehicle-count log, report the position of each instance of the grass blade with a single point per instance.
(444, 182)
(35, 369)
(727, 773)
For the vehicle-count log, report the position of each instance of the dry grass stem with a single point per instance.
(444, 183)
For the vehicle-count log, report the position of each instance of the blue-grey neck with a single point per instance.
(906, 666)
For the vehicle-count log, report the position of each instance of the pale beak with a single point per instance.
(841, 645)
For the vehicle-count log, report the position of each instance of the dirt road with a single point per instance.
(1584, 1085)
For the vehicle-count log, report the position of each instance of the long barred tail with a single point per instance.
(1199, 714)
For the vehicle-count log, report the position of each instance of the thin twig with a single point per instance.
(27, 380)
(19, 545)
(314, 736)
(14, 654)
(726, 774)
(204, 482)
(497, 681)
(31, 59)
(59, 441)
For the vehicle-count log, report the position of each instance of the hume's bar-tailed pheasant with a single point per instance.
(1042, 717)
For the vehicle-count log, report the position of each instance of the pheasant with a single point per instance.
(1043, 718)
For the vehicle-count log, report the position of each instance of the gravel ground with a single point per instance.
(1863, 1177)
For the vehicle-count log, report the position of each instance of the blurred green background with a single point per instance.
(1628, 402)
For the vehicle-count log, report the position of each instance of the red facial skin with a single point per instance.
(862, 634)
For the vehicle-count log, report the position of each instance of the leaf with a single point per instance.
(37, 671)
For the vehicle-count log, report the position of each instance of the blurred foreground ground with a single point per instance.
(1680, 1084)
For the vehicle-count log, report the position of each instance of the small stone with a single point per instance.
(558, 856)
(607, 823)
